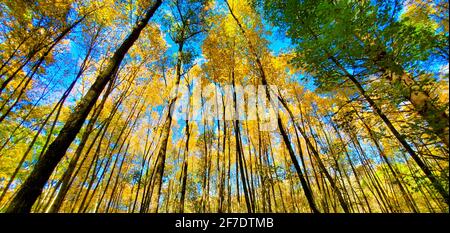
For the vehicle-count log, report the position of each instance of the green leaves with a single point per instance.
(363, 37)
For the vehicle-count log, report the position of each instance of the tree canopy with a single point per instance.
(252, 106)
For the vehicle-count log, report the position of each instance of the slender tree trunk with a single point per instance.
(185, 159)
(161, 157)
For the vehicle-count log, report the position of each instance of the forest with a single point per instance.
(224, 106)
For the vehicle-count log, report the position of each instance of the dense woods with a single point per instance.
(137, 106)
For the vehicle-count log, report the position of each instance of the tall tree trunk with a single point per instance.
(423, 104)
(185, 158)
(239, 155)
(161, 157)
